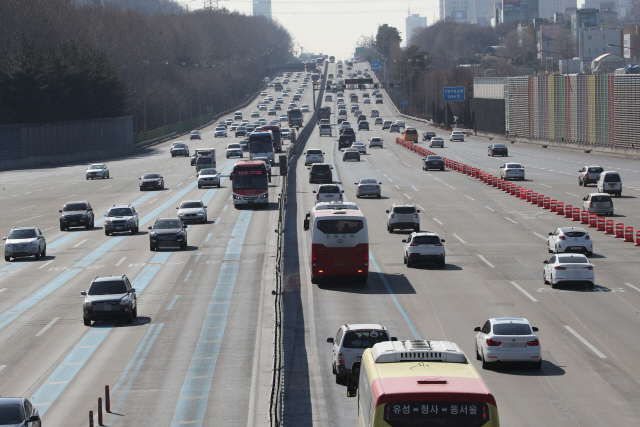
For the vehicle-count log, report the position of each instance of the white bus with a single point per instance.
(339, 244)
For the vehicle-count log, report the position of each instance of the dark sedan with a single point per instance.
(433, 162)
(498, 150)
(151, 181)
(351, 154)
(363, 125)
(76, 214)
(168, 232)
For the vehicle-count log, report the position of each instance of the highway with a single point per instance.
(201, 347)
(495, 247)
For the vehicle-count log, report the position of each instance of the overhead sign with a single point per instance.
(358, 81)
(360, 49)
(376, 66)
(404, 103)
(453, 93)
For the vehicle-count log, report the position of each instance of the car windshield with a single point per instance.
(96, 166)
(208, 172)
(328, 189)
(22, 234)
(404, 210)
(514, 166)
(330, 226)
(151, 176)
(167, 224)
(11, 414)
(498, 146)
(612, 177)
(120, 212)
(511, 329)
(425, 240)
(204, 161)
(191, 205)
(321, 168)
(572, 260)
(74, 207)
(375, 140)
(314, 152)
(179, 145)
(108, 287)
(363, 339)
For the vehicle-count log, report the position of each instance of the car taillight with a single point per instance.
(492, 343)
(314, 257)
(341, 358)
(586, 176)
(561, 237)
(508, 170)
(557, 267)
(590, 204)
(416, 215)
(533, 343)
(359, 186)
(377, 186)
(318, 196)
(414, 244)
(587, 237)
(340, 197)
(393, 215)
(437, 244)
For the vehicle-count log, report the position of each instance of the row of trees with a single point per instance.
(63, 61)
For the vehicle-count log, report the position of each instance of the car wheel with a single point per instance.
(555, 250)
(205, 219)
(37, 255)
(553, 284)
(106, 233)
(409, 263)
(140, 188)
(590, 286)
(580, 183)
(589, 253)
(61, 227)
(44, 251)
(341, 380)
(152, 247)
(477, 353)
(485, 365)
(544, 278)
(129, 317)
(442, 263)
(135, 312)
(416, 228)
(199, 186)
(183, 246)
(218, 185)
(7, 258)
(86, 320)
(405, 259)
(88, 226)
(87, 178)
(536, 365)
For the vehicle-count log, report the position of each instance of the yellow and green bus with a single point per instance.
(420, 383)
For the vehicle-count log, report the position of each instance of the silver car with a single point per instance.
(375, 142)
(24, 241)
(369, 187)
(512, 171)
(192, 211)
(208, 177)
(220, 131)
(598, 203)
(97, 170)
(436, 142)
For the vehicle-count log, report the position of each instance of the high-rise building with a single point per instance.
(262, 8)
(413, 22)
(459, 10)
(548, 8)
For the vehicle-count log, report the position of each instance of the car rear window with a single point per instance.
(514, 166)
(512, 329)
(426, 240)
(434, 158)
(573, 260)
(108, 287)
(612, 177)
(11, 414)
(314, 151)
(575, 234)
(328, 189)
(411, 132)
(596, 170)
(404, 210)
(363, 339)
(330, 226)
(601, 199)
(320, 168)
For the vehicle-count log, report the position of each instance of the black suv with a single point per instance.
(18, 411)
(109, 297)
(76, 214)
(168, 232)
(320, 172)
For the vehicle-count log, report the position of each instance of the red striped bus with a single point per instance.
(420, 383)
(250, 184)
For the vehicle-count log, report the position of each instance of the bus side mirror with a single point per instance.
(388, 211)
(314, 191)
(306, 225)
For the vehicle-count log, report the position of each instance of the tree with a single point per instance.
(386, 39)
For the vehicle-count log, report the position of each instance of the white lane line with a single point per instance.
(469, 197)
(485, 260)
(509, 219)
(585, 342)
(43, 330)
(46, 229)
(546, 185)
(106, 187)
(524, 292)
(414, 188)
(2, 367)
(26, 207)
(179, 185)
(571, 194)
(408, 197)
(78, 244)
(438, 221)
(152, 201)
(217, 222)
(397, 187)
(385, 175)
(45, 264)
(3, 289)
(225, 208)
(540, 236)
(121, 261)
(68, 197)
(112, 195)
(379, 170)
(390, 180)
(29, 219)
(421, 208)
(628, 284)
(406, 164)
(459, 238)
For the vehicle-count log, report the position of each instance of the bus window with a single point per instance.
(335, 226)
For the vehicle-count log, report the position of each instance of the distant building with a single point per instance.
(485, 11)
(519, 10)
(413, 22)
(631, 42)
(548, 8)
(608, 15)
(459, 10)
(592, 42)
(262, 8)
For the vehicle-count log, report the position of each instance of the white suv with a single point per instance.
(313, 155)
(329, 193)
(403, 217)
(424, 246)
(349, 344)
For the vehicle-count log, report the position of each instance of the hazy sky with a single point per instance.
(333, 27)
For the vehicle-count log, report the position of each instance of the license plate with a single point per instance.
(105, 307)
(74, 223)
(119, 228)
(576, 248)
(513, 344)
(250, 202)
(612, 185)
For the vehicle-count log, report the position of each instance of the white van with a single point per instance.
(313, 155)
(610, 182)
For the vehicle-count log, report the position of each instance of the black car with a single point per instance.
(76, 214)
(320, 172)
(241, 131)
(18, 412)
(109, 297)
(363, 125)
(194, 156)
(179, 149)
(498, 150)
(168, 232)
(432, 162)
(351, 154)
(426, 136)
(379, 101)
(151, 181)
(345, 141)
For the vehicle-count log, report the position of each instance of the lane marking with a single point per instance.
(421, 208)
(585, 342)
(225, 208)
(29, 219)
(46, 229)
(188, 275)
(179, 185)
(408, 197)
(546, 185)
(2, 367)
(489, 208)
(78, 244)
(390, 180)
(524, 292)
(106, 187)
(397, 187)
(26, 207)
(485, 260)
(414, 188)
(45, 264)
(170, 306)
(198, 256)
(438, 221)
(121, 261)
(3, 289)
(151, 201)
(509, 219)
(628, 284)
(571, 194)
(459, 238)
(209, 236)
(540, 236)
(43, 330)
(217, 222)
(469, 197)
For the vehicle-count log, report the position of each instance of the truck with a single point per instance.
(205, 158)
(324, 113)
(295, 117)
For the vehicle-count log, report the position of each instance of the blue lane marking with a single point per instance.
(48, 392)
(160, 257)
(198, 256)
(101, 250)
(186, 278)
(225, 208)
(218, 220)
(194, 396)
(209, 236)
(133, 358)
(170, 306)
(212, 192)
(393, 297)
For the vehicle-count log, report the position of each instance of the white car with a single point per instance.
(436, 142)
(349, 344)
(220, 131)
(508, 339)
(570, 239)
(569, 269)
(456, 135)
(255, 114)
(208, 177)
(234, 150)
(424, 246)
(360, 146)
(192, 211)
(375, 113)
(285, 133)
(329, 193)
(97, 170)
(368, 187)
(304, 108)
(24, 241)
(375, 142)
(283, 118)
(512, 171)
(262, 107)
(313, 155)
